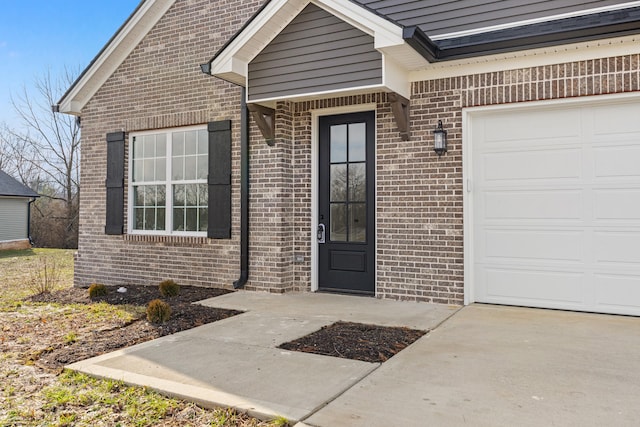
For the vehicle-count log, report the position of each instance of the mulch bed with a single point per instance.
(184, 315)
(357, 341)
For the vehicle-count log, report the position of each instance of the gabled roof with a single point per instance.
(440, 31)
(411, 33)
(10, 187)
(230, 62)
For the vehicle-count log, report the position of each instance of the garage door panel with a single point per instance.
(534, 205)
(617, 247)
(517, 126)
(555, 204)
(532, 165)
(611, 120)
(617, 162)
(620, 204)
(610, 288)
(551, 245)
(528, 286)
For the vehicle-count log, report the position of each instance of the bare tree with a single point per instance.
(18, 159)
(50, 143)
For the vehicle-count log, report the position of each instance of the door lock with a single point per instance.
(321, 233)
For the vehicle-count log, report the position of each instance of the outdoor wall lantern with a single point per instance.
(440, 140)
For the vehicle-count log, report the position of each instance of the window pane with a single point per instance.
(161, 196)
(137, 170)
(203, 195)
(338, 232)
(148, 174)
(149, 195)
(138, 196)
(178, 195)
(161, 145)
(338, 183)
(190, 143)
(177, 143)
(338, 138)
(139, 219)
(178, 219)
(191, 219)
(357, 139)
(203, 213)
(203, 141)
(203, 167)
(161, 166)
(190, 167)
(357, 182)
(160, 224)
(149, 219)
(177, 167)
(137, 148)
(149, 146)
(358, 222)
(191, 195)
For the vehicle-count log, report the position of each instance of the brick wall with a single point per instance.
(419, 196)
(419, 208)
(160, 85)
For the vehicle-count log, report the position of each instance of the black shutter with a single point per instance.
(115, 183)
(219, 180)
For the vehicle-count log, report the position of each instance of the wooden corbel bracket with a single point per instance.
(266, 120)
(400, 109)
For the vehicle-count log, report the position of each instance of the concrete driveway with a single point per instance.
(481, 365)
(504, 366)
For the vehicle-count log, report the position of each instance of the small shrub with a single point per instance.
(44, 278)
(158, 311)
(70, 338)
(169, 288)
(97, 290)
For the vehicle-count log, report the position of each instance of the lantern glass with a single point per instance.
(440, 139)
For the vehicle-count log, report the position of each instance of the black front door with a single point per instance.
(346, 229)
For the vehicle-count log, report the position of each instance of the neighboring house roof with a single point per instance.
(412, 33)
(10, 187)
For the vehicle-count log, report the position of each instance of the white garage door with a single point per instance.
(554, 205)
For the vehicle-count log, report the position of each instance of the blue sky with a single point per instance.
(36, 35)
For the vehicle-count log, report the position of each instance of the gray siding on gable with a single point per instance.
(13, 219)
(443, 17)
(316, 52)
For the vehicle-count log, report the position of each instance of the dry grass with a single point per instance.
(32, 396)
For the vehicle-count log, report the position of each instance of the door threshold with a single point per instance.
(347, 292)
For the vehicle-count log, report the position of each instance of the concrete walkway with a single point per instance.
(484, 366)
(235, 362)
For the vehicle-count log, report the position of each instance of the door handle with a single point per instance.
(321, 233)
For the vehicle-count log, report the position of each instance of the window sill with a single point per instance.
(167, 239)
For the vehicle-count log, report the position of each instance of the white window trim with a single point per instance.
(168, 231)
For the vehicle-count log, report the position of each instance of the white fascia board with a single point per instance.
(321, 95)
(114, 54)
(583, 51)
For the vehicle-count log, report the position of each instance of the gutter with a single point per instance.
(244, 193)
(569, 30)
